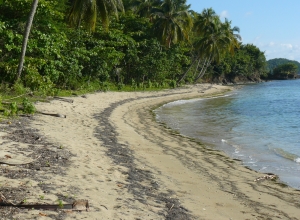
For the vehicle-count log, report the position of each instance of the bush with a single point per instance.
(173, 84)
(28, 107)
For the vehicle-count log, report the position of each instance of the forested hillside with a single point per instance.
(273, 63)
(285, 71)
(76, 44)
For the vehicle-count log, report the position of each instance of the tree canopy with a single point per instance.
(285, 71)
(273, 63)
(153, 43)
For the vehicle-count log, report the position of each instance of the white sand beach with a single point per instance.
(128, 166)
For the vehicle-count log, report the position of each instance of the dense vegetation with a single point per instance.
(134, 43)
(273, 63)
(285, 71)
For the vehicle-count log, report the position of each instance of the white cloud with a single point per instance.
(248, 14)
(224, 14)
(273, 49)
(271, 44)
(280, 50)
(256, 41)
(287, 46)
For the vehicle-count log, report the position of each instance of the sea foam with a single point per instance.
(297, 160)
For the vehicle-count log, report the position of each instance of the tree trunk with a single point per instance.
(184, 75)
(26, 35)
(198, 65)
(202, 74)
(203, 70)
(204, 62)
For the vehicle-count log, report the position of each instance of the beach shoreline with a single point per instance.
(130, 167)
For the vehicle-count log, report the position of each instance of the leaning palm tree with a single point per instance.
(172, 22)
(204, 29)
(88, 10)
(215, 39)
(26, 36)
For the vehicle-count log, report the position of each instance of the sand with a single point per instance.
(128, 166)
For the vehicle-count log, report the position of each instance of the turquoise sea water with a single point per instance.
(258, 124)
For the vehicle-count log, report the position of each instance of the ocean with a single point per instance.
(258, 124)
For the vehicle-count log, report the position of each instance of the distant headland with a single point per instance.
(281, 68)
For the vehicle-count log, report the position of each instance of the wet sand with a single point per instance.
(128, 166)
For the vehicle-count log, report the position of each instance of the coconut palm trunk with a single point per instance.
(25, 37)
(198, 65)
(186, 72)
(203, 70)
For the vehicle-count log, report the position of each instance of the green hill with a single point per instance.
(273, 63)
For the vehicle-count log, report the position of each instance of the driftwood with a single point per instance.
(77, 205)
(18, 106)
(14, 163)
(63, 99)
(43, 113)
(269, 176)
(52, 114)
(13, 158)
(6, 103)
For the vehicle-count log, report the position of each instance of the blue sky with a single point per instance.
(271, 25)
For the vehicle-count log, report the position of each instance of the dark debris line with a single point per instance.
(52, 159)
(123, 156)
(47, 157)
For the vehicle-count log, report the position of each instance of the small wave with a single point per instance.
(282, 153)
(237, 152)
(184, 101)
(236, 147)
(180, 102)
(263, 168)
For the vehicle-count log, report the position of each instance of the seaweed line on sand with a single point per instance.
(122, 155)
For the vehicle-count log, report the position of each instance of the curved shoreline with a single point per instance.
(164, 115)
(224, 177)
(129, 166)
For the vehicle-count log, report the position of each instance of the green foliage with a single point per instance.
(248, 63)
(60, 203)
(173, 84)
(28, 107)
(129, 53)
(13, 109)
(133, 84)
(273, 63)
(285, 71)
(104, 86)
(149, 84)
(19, 88)
(120, 86)
(86, 12)
(172, 22)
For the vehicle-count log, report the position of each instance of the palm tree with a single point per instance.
(87, 11)
(215, 39)
(232, 33)
(205, 22)
(144, 8)
(172, 22)
(26, 36)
